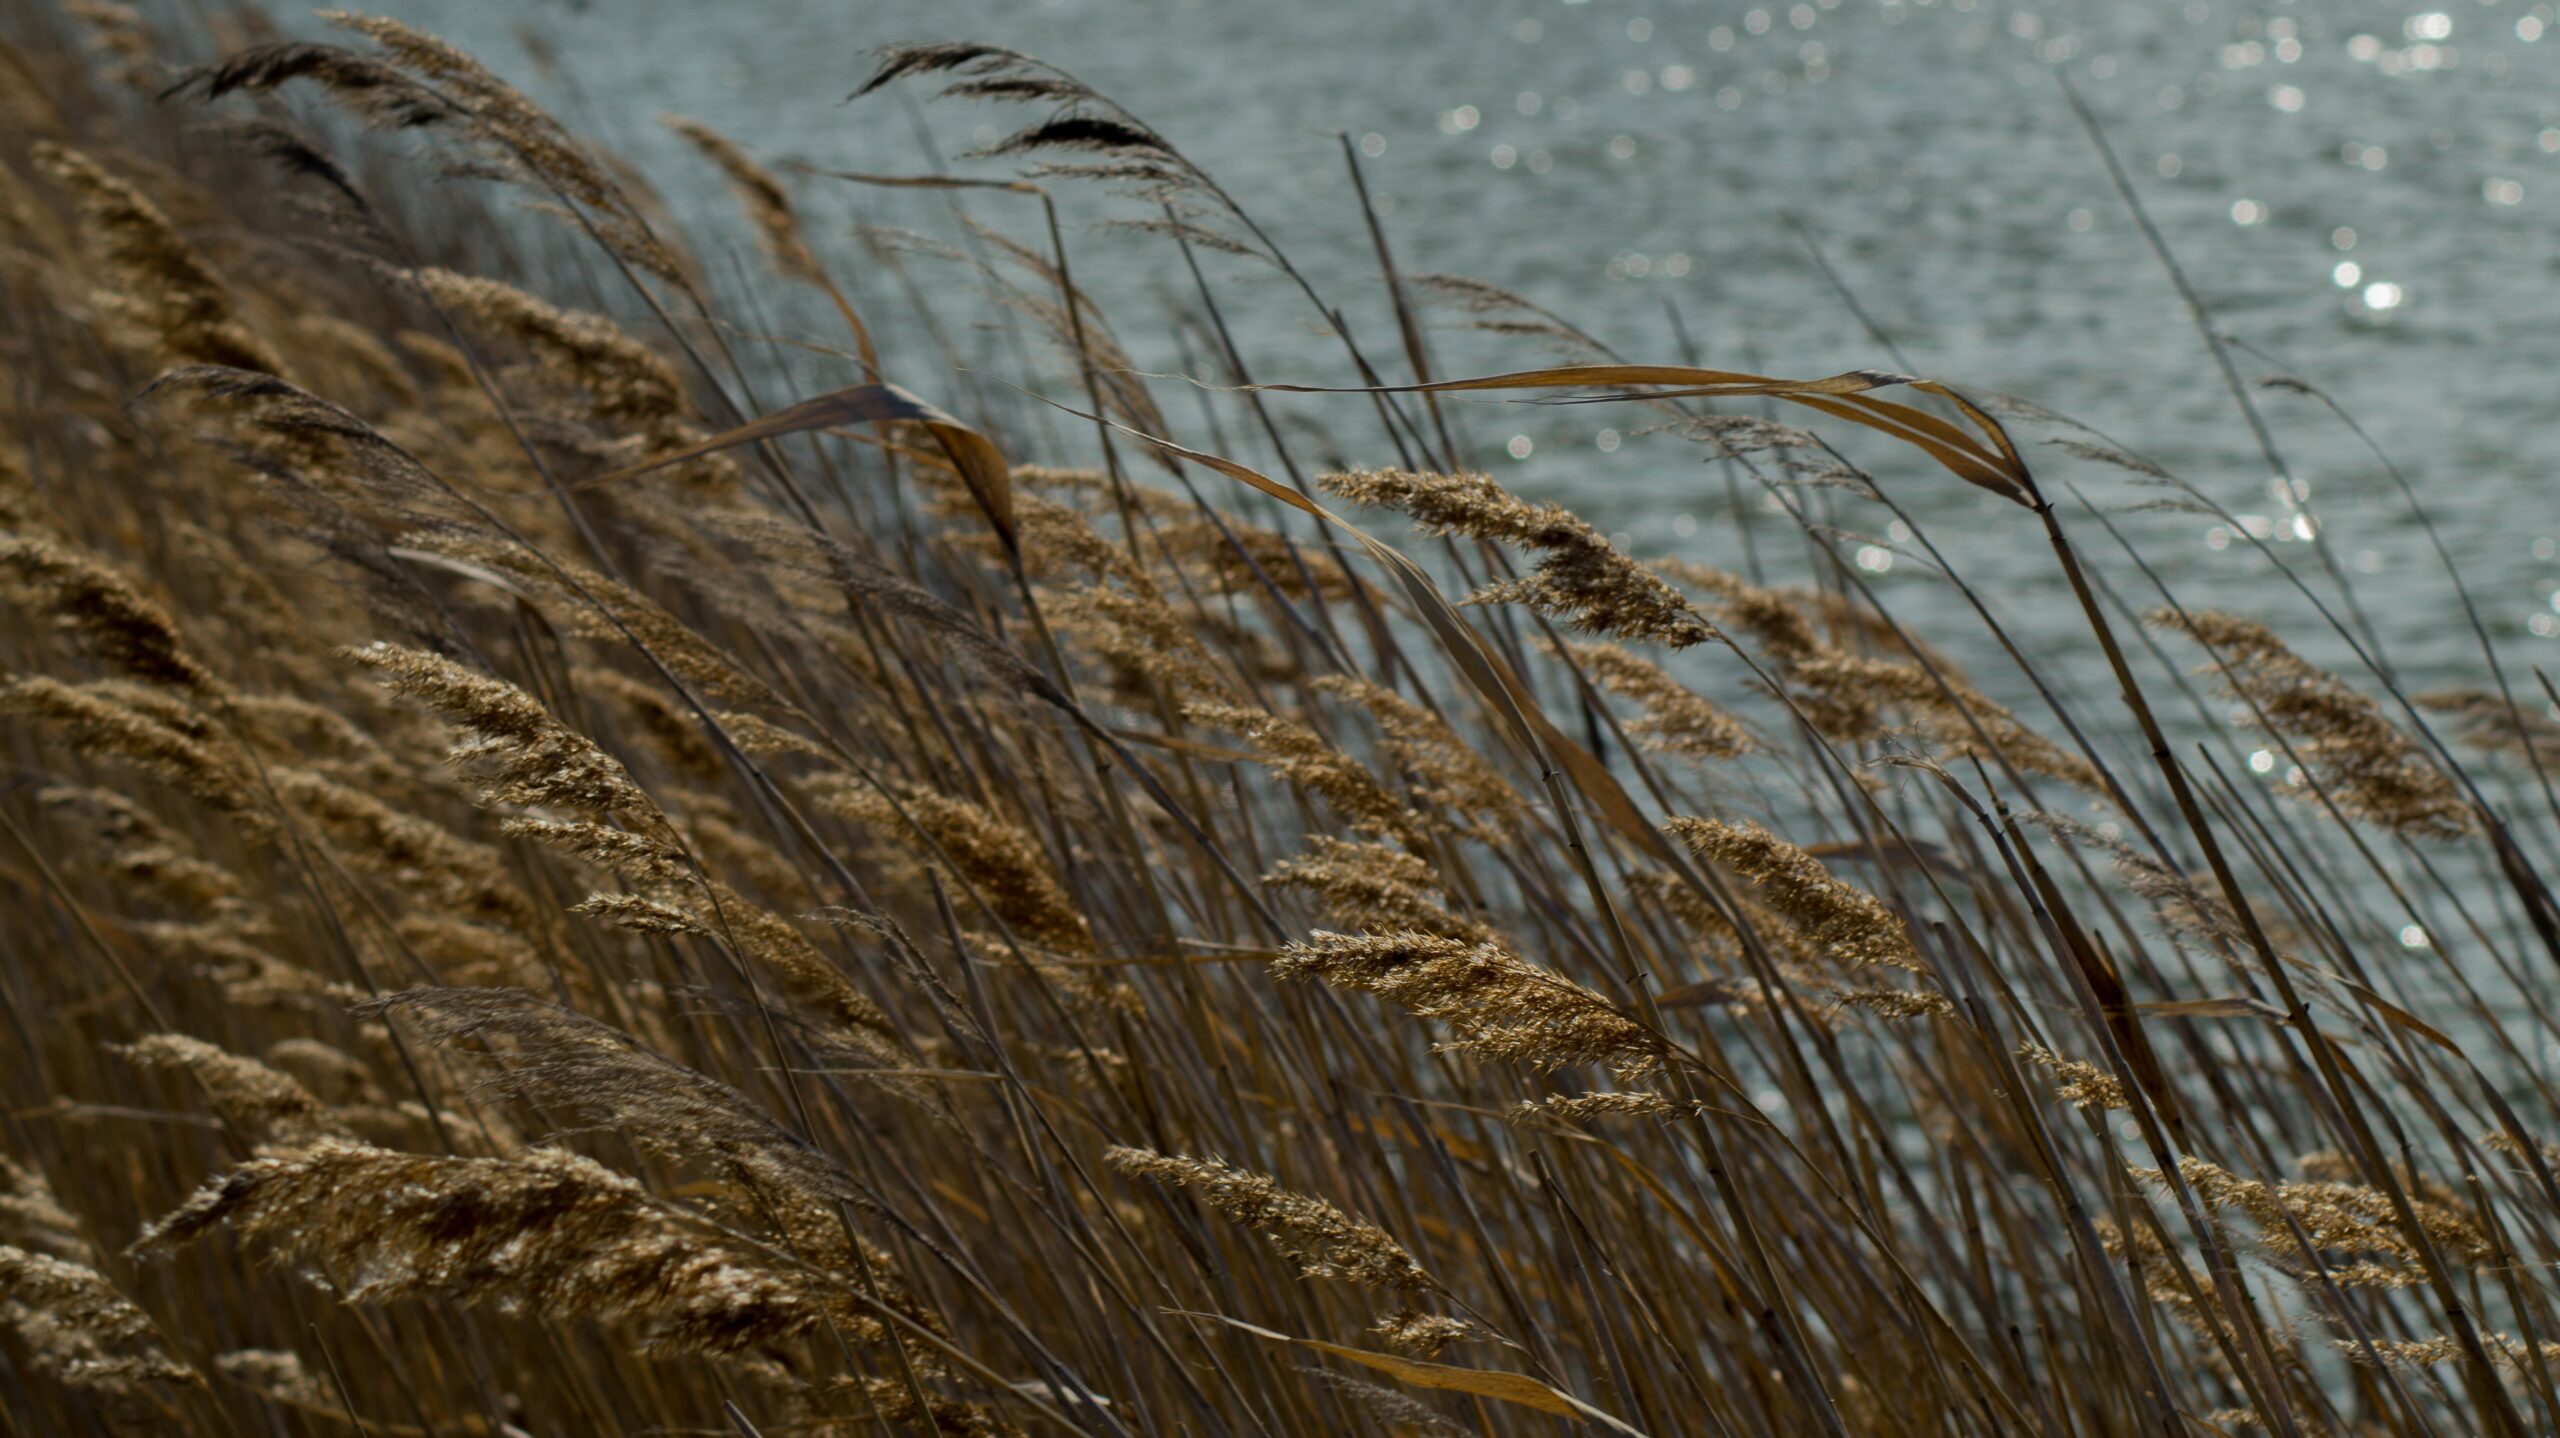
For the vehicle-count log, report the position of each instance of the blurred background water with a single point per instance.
(2363, 191)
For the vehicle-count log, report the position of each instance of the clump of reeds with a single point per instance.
(536, 804)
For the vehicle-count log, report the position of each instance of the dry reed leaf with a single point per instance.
(1987, 459)
(981, 465)
(1502, 1387)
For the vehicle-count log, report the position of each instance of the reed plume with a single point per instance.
(80, 1330)
(1323, 1240)
(516, 751)
(552, 1234)
(1453, 775)
(269, 1106)
(112, 619)
(1374, 887)
(2365, 764)
(1676, 720)
(2083, 1085)
(1842, 923)
(163, 289)
(1006, 863)
(1301, 756)
(1492, 1001)
(768, 204)
(122, 724)
(1579, 576)
(2355, 1228)
(278, 1375)
(31, 1218)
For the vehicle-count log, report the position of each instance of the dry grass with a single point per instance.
(530, 909)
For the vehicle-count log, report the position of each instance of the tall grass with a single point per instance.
(552, 885)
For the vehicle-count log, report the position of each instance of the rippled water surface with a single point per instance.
(2364, 192)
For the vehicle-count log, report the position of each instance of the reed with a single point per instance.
(566, 878)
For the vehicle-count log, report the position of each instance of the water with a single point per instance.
(2364, 190)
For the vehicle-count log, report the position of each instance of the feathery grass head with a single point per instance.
(1580, 577)
(163, 287)
(269, 1106)
(1373, 887)
(467, 879)
(1676, 719)
(1492, 1001)
(1845, 924)
(80, 1329)
(126, 724)
(552, 1234)
(32, 1218)
(1005, 862)
(142, 852)
(112, 619)
(1325, 1241)
(768, 204)
(2368, 767)
(2083, 1085)
(519, 753)
(570, 1064)
(1453, 773)
(2355, 1227)
(1301, 756)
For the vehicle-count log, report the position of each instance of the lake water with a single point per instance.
(2364, 191)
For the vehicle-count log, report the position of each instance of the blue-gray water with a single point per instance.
(2365, 191)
